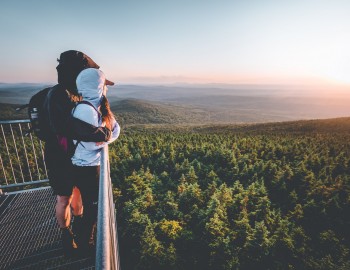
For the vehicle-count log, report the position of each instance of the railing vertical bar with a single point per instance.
(36, 161)
(11, 151)
(8, 153)
(25, 151)
(43, 158)
(3, 169)
(15, 145)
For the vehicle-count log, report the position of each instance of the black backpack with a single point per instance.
(38, 116)
(38, 112)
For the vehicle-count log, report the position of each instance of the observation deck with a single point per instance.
(29, 235)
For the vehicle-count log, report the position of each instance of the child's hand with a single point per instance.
(99, 143)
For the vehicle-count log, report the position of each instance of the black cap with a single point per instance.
(77, 59)
(71, 63)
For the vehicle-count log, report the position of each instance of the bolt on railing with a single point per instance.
(21, 155)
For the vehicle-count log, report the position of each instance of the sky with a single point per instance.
(169, 41)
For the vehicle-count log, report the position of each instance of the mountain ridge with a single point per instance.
(210, 103)
(138, 114)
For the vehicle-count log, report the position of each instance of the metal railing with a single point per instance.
(22, 163)
(107, 250)
(21, 156)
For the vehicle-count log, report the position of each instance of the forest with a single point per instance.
(264, 196)
(226, 200)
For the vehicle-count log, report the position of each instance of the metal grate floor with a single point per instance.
(29, 234)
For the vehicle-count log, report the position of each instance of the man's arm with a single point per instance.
(67, 125)
(114, 136)
(82, 131)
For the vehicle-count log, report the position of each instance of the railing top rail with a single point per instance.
(14, 121)
(30, 183)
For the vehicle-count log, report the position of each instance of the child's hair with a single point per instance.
(107, 114)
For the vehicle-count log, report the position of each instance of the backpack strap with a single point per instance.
(87, 103)
(47, 107)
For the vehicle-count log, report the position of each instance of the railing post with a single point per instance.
(106, 248)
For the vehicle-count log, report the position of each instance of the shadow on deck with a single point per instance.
(30, 237)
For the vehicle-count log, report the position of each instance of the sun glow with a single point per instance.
(341, 76)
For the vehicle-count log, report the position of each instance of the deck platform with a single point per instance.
(29, 234)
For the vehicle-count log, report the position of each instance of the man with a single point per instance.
(63, 128)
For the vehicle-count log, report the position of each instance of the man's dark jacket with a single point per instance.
(59, 106)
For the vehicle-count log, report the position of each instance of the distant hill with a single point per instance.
(334, 125)
(19, 93)
(144, 115)
(218, 104)
(317, 126)
(134, 111)
(130, 111)
(137, 111)
(8, 112)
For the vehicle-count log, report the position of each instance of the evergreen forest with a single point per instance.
(265, 196)
(232, 200)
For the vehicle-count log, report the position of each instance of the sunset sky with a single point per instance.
(196, 41)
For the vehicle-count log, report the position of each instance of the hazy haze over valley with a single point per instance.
(211, 103)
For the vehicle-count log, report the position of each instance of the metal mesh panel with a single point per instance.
(30, 237)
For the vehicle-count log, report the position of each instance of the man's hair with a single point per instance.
(71, 63)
